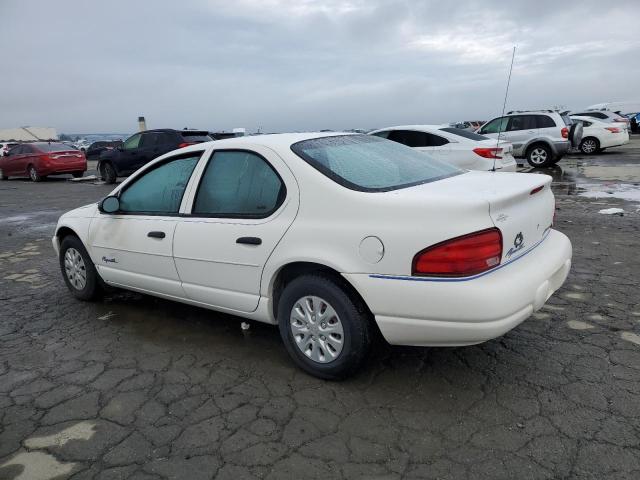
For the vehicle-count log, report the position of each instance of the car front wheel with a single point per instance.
(78, 270)
(77, 174)
(325, 329)
(539, 156)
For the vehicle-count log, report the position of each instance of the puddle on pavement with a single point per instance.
(594, 178)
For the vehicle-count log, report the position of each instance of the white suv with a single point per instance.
(542, 137)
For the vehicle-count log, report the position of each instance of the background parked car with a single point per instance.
(140, 148)
(598, 135)
(634, 121)
(542, 137)
(96, 148)
(5, 147)
(604, 115)
(459, 147)
(40, 159)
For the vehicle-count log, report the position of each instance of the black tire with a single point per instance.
(539, 156)
(92, 288)
(108, 173)
(352, 314)
(3, 176)
(33, 174)
(77, 174)
(589, 146)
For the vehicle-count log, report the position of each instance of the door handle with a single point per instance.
(249, 240)
(156, 235)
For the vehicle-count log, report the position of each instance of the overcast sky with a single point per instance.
(94, 66)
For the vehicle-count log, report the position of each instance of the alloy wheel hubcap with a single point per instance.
(75, 268)
(538, 155)
(588, 146)
(33, 174)
(317, 329)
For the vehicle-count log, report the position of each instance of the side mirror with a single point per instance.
(109, 205)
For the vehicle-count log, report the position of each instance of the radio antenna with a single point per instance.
(504, 105)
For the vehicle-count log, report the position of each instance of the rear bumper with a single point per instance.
(45, 169)
(615, 140)
(451, 312)
(560, 148)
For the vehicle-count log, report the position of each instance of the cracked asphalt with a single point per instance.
(142, 388)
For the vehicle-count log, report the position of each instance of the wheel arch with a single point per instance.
(537, 142)
(294, 269)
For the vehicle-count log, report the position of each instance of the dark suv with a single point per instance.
(141, 148)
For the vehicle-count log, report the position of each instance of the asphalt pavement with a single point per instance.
(137, 387)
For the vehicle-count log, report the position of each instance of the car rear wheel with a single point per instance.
(34, 175)
(77, 174)
(326, 331)
(589, 146)
(539, 156)
(78, 270)
(3, 176)
(108, 173)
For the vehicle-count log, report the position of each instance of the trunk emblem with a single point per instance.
(518, 244)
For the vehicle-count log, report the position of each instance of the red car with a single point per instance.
(37, 160)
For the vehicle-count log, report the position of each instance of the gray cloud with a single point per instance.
(297, 65)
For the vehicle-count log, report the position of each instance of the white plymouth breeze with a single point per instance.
(328, 235)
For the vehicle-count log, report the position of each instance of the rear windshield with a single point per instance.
(54, 147)
(465, 134)
(371, 164)
(196, 136)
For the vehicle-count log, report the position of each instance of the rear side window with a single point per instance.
(464, 133)
(371, 164)
(160, 190)
(409, 138)
(149, 140)
(544, 121)
(384, 134)
(238, 184)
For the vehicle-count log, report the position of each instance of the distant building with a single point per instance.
(28, 134)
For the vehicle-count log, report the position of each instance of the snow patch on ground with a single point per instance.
(623, 191)
(611, 211)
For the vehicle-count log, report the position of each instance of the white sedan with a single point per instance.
(598, 135)
(328, 235)
(464, 149)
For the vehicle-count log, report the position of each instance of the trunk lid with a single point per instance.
(522, 217)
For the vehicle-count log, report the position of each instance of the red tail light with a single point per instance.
(565, 132)
(185, 144)
(488, 152)
(613, 129)
(461, 256)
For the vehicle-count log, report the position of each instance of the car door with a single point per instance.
(521, 129)
(245, 202)
(133, 247)
(127, 158)
(26, 159)
(10, 162)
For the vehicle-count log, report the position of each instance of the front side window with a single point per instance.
(496, 125)
(132, 142)
(237, 184)
(160, 190)
(371, 164)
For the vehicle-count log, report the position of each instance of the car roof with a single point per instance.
(424, 128)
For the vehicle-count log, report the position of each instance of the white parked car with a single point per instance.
(459, 147)
(598, 135)
(329, 236)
